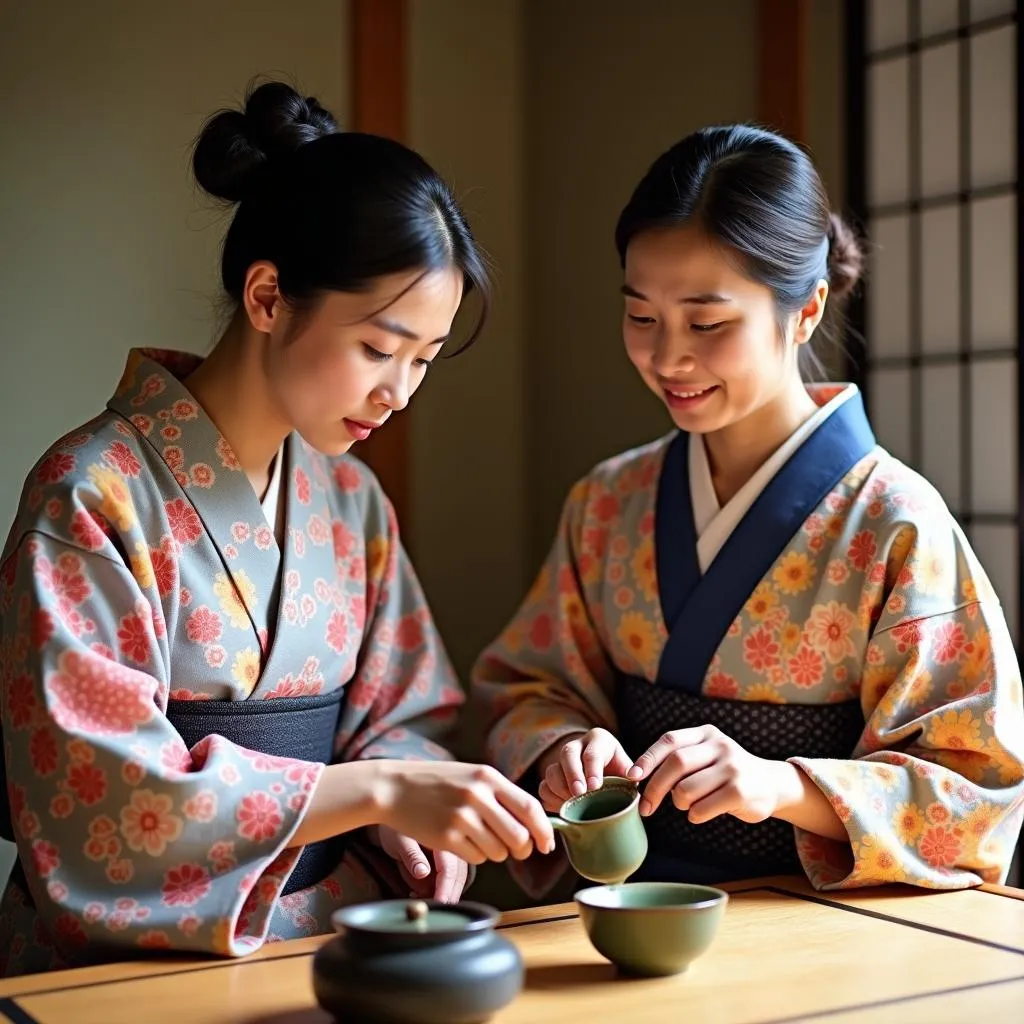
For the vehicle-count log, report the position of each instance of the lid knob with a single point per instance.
(416, 910)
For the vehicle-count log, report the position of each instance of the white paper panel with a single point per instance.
(994, 272)
(890, 410)
(940, 421)
(940, 279)
(982, 9)
(887, 23)
(994, 437)
(939, 16)
(888, 131)
(996, 548)
(993, 107)
(888, 293)
(940, 134)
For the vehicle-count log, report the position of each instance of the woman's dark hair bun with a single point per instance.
(845, 257)
(235, 146)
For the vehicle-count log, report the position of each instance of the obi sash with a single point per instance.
(726, 848)
(294, 727)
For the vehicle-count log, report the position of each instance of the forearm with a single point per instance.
(346, 797)
(803, 804)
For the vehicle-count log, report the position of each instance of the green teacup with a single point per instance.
(603, 832)
(651, 928)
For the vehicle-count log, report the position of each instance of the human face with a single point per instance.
(705, 338)
(337, 373)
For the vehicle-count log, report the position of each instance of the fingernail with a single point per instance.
(593, 782)
(645, 807)
(579, 788)
(634, 772)
(420, 871)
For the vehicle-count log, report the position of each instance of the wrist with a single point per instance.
(788, 786)
(383, 790)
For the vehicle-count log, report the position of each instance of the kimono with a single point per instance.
(832, 615)
(142, 573)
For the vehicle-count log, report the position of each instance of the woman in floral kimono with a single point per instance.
(764, 617)
(222, 691)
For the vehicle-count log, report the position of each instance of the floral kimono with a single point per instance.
(142, 575)
(831, 614)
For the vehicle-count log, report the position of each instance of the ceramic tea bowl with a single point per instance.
(651, 928)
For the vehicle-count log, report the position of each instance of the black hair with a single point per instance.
(758, 194)
(332, 210)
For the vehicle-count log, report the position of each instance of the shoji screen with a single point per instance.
(933, 155)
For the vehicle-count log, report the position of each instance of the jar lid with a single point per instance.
(415, 917)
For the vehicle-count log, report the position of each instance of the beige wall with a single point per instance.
(103, 243)
(469, 498)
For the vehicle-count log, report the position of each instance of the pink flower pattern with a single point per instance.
(102, 622)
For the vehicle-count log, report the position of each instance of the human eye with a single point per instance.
(707, 328)
(640, 321)
(375, 353)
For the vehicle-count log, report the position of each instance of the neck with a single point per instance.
(737, 452)
(231, 386)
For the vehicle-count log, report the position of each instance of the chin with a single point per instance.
(331, 447)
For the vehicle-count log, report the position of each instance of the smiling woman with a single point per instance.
(221, 689)
(764, 617)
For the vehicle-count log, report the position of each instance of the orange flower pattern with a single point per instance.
(140, 569)
(878, 596)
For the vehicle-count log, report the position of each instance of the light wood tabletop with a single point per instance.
(784, 953)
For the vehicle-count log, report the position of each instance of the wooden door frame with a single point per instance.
(782, 38)
(377, 58)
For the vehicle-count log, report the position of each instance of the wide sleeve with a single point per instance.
(547, 675)
(128, 839)
(404, 698)
(935, 793)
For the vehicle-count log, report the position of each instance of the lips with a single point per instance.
(360, 429)
(692, 392)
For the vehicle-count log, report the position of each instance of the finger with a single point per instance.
(549, 801)
(412, 857)
(571, 763)
(450, 877)
(530, 813)
(555, 779)
(619, 763)
(596, 755)
(675, 766)
(492, 830)
(661, 748)
(722, 800)
(456, 840)
(419, 888)
(694, 788)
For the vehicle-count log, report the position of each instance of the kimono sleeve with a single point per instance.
(934, 796)
(126, 838)
(547, 676)
(404, 698)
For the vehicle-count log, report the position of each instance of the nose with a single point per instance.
(394, 392)
(672, 355)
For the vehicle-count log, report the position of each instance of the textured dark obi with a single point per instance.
(295, 727)
(727, 848)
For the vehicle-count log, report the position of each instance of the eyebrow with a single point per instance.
(394, 327)
(704, 299)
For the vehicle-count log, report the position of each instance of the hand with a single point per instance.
(708, 774)
(471, 811)
(443, 880)
(580, 763)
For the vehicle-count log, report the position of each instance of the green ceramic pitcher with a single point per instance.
(602, 831)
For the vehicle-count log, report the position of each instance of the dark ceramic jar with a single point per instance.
(416, 962)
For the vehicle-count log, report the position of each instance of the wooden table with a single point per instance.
(784, 953)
